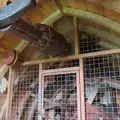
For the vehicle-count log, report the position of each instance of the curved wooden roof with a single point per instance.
(106, 13)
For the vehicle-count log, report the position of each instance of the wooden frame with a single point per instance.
(40, 95)
(51, 19)
(76, 36)
(82, 89)
(85, 55)
(81, 68)
(67, 71)
(9, 95)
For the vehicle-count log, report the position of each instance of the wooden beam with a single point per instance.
(101, 53)
(76, 35)
(51, 60)
(52, 18)
(21, 46)
(41, 93)
(52, 71)
(94, 54)
(9, 94)
(104, 21)
(82, 89)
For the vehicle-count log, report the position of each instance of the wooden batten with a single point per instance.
(101, 53)
(94, 54)
(9, 94)
(82, 89)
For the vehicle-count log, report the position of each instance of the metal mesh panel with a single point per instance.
(90, 43)
(61, 64)
(25, 93)
(60, 97)
(102, 87)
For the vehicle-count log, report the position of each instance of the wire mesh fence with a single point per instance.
(25, 93)
(59, 93)
(60, 97)
(102, 87)
(91, 43)
(60, 64)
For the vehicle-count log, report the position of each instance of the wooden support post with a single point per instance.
(76, 36)
(82, 95)
(9, 95)
(40, 95)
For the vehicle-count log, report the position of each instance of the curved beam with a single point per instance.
(52, 18)
(104, 21)
(105, 8)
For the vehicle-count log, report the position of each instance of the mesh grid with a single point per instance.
(61, 64)
(25, 93)
(90, 43)
(102, 87)
(60, 97)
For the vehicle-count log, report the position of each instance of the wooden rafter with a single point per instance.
(104, 21)
(52, 18)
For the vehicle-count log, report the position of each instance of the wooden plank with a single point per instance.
(40, 95)
(78, 94)
(9, 94)
(56, 71)
(104, 21)
(82, 89)
(101, 53)
(51, 60)
(41, 11)
(94, 54)
(21, 46)
(76, 36)
(52, 18)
